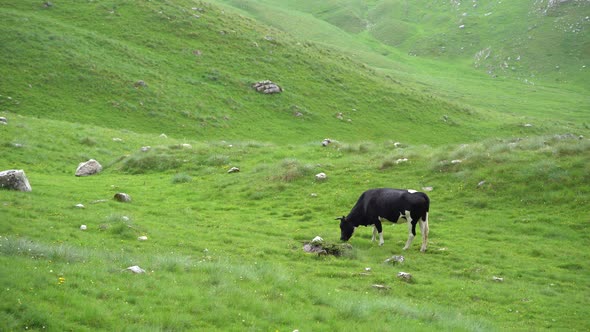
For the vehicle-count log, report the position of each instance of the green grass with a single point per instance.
(224, 250)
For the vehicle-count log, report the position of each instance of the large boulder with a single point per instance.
(15, 180)
(88, 168)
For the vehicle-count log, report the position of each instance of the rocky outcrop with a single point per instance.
(88, 168)
(14, 180)
(267, 87)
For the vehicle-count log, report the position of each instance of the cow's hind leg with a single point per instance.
(424, 231)
(374, 233)
(411, 231)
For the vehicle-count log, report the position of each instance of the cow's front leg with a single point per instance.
(374, 233)
(411, 233)
(379, 229)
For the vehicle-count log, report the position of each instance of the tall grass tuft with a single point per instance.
(291, 170)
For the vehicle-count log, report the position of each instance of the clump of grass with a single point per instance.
(181, 178)
(88, 141)
(150, 162)
(291, 170)
(217, 160)
(37, 250)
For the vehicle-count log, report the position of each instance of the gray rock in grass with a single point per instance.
(15, 180)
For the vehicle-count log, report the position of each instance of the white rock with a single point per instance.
(15, 180)
(89, 167)
(233, 170)
(498, 279)
(163, 136)
(456, 161)
(317, 239)
(404, 275)
(401, 160)
(321, 176)
(117, 139)
(135, 269)
(142, 238)
(80, 206)
(187, 146)
(83, 227)
(368, 269)
(145, 148)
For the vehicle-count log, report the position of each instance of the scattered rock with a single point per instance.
(88, 168)
(99, 201)
(326, 142)
(122, 197)
(163, 136)
(142, 238)
(528, 125)
(83, 227)
(498, 279)
(317, 240)
(404, 276)
(397, 144)
(3, 120)
(380, 287)
(117, 139)
(456, 161)
(321, 176)
(313, 195)
(481, 183)
(15, 180)
(145, 148)
(80, 206)
(187, 146)
(47, 4)
(401, 160)
(267, 87)
(395, 259)
(140, 83)
(427, 189)
(233, 170)
(367, 269)
(135, 269)
(325, 248)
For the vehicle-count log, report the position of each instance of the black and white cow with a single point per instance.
(376, 205)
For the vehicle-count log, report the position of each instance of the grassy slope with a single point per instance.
(541, 54)
(224, 249)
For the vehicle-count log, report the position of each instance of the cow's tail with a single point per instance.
(426, 208)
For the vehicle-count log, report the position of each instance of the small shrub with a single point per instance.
(181, 178)
(150, 162)
(88, 141)
(217, 160)
(292, 169)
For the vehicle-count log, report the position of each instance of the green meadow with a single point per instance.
(503, 153)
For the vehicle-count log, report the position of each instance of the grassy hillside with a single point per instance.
(461, 50)
(224, 250)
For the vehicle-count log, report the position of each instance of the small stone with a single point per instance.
(481, 183)
(233, 170)
(145, 148)
(80, 206)
(140, 83)
(163, 136)
(456, 161)
(135, 269)
(380, 287)
(395, 259)
(321, 176)
(404, 276)
(83, 227)
(368, 269)
(498, 279)
(117, 139)
(317, 239)
(3, 120)
(142, 238)
(427, 188)
(122, 197)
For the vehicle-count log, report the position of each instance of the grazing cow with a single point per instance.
(376, 205)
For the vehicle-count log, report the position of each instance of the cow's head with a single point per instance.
(346, 228)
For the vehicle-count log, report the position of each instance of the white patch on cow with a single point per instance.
(412, 191)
